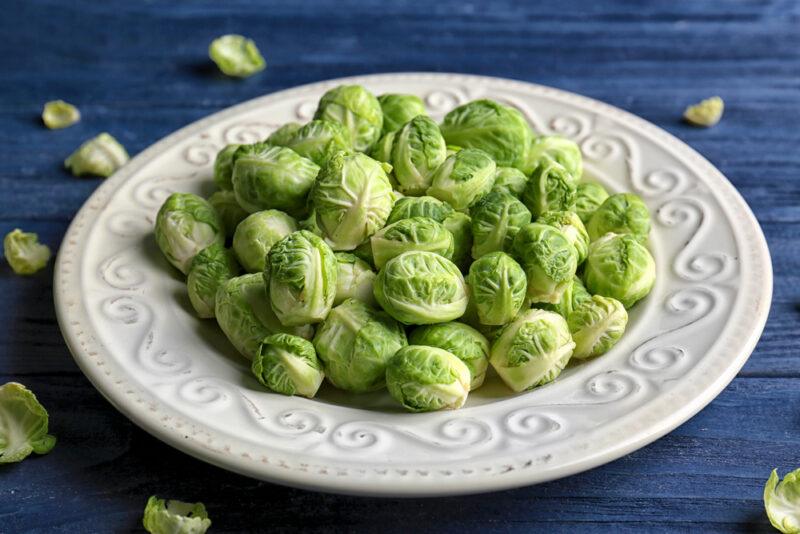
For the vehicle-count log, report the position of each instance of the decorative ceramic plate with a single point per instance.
(128, 322)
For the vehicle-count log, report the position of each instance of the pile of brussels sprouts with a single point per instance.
(380, 249)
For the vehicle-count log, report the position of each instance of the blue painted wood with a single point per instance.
(139, 70)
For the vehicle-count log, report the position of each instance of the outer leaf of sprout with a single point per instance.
(596, 325)
(210, 268)
(398, 109)
(460, 225)
(623, 213)
(228, 209)
(357, 109)
(550, 188)
(496, 219)
(416, 233)
(463, 178)
(223, 167)
(382, 149)
(58, 114)
(510, 180)
(461, 340)
(571, 226)
(549, 260)
(175, 517)
(24, 253)
(288, 364)
(620, 267)
(588, 197)
(417, 151)
(185, 225)
(284, 134)
(99, 156)
(255, 236)
(236, 55)
(424, 379)
(424, 206)
(782, 501)
(23, 424)
(320, 139)
(560, 149)
(355, 279)
(497, 286)
(707, 113)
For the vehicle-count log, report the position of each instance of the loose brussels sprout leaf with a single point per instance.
(463, 178)
(175, 517)
(425, 379)
(460, 225)
(364, 253)
(560, 149)
(596, 325)
(229, 211)
(244, 314)
(571, 226)
(500, 131)
(623, 213)
(420, 287)
(550, 188)
(288, 364)
(99, 156)
(23, 424)
(620, 267)
(461, 340)
(355, 279)
(572, 297)
(355, 343)
(416, 233)
(430, 207)
(452, 149)
(549, 260)
(532, 350)
(185, 225)
(284, 134)
(588, 197)
(58, 114)
(210, 269)
(24, 253)
(255, 236)
(399, 109)
(382, 150)
(357, 109)
(267, 176)
(319, 139)
(352, 198)
(706, 114)
(417, 151)
(782, 501)
(223, 167)
(236, 56)
(497, 285)
(510, 180)
(302, 278)
(496, 219)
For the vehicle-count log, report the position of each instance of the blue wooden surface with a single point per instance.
(139, 70)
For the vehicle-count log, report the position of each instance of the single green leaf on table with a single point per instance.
(175, 517)
(58, 114)
(24, 253)
(706, 113)
(99, 156)
(236, 56)
(23, 424)
(782, 501)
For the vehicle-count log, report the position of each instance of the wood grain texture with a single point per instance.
(139, 70)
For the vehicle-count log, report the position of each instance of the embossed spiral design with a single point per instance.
(247, 133)
(201, 153)
(573, 126)
(663, 182)
(208, 392)
(604, 148)
(463, 432)
(129, 223)
(120, 274)
(151, 193)
(531, 422)
(304, 111)
(359, 435)
(658, 359)
(442, 101)
(611, 386)
(124, 309)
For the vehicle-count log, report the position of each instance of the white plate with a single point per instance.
(128, 322)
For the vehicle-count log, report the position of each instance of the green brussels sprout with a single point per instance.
(496, 219)
(355, 343)
(596, 325)
(430, 207)
(256, 234)
(620, 267)
(425, 379)
(267, 176)
(462, 341)
(706, 113)
(497, 286)
(500, 131)
(416, 233)
(223, 167)
(288, 364)
(510, 180)
(210, 268)
(399, 109)
(357, 109)
(355, 279)
(420, 287)
(550, 188)
(560, 149)
(24, 253)
(228, 209)
(302, 278)
(382, 150)
(623, 213)
(99, 156)
(244, 314)
(175, 517)
(460, 225)
(23, 424)
(58, 114)
(284, 134)
(463, 178)
(417, 151)
(549, 260)
(364, 253)
(319, 139)
(588, 197)
(352, 198)
(571, 226)
(236, 56)
(782, 501)
(185, 225)
(532, 350)
(572, 297)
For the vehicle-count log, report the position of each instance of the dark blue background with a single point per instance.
(139, 70)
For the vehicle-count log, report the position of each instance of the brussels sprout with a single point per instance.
(223, 167)
(284, 134)
(236, 56)
(357, 109)
(257, 233)
(352, 198)
(175, 517)
(550, 188)
(496, 219)
(623, 213)
(399, 109)
(364, 253)
(416, 233)
(497, 286)
(460, 225)
(424, 379)
(571, 226)
(302, 278)
(619, 266)
(319, 139)
(463, 178)
(185, 225)
(244, 314)
(99, 156)
(355, 279)
(417, 151)
(267, 176)
(706, 114)
(510, 180)
(288, 364)
(430, 207)
(229, 211)
(210, 269)
(58, 114)
(355, 343)
(420, 287)
(782, 501)
(23, 424)
(382, 150)
(549, 260)
(498, 130)
(532, 350)
(461, 340)
(588, 197)
(572, 297)
(560, 149)
(24, 253)
(596, 325)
